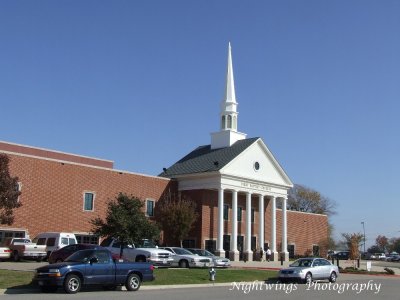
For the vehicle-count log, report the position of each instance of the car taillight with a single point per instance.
(7, 251)
(151, 267)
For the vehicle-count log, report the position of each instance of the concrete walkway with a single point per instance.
(276, 265)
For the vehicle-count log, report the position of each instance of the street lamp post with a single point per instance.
(363, 224)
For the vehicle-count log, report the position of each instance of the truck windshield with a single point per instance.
(80, 256)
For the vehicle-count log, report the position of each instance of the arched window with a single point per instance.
(235, 122)
(223, 122)
(229, 121)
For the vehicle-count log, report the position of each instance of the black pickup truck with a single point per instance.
(92, 267)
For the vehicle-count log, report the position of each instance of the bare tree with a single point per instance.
(353, 241)
(302, 198)
(176, 216)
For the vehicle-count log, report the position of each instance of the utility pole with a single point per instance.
(363, 224)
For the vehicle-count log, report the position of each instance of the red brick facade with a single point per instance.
(53, 185)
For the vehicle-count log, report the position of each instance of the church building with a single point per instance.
(239, 188)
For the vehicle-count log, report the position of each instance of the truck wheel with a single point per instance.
(183, 264)
(72, 284)
(133, 282)
(16, 256)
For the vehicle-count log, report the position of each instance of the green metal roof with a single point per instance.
(204, 159)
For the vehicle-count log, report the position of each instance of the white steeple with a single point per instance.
(228, 133)
(229, 104)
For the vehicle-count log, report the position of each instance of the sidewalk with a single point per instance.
(276, 265)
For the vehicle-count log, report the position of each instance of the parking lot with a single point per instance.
(378, 266)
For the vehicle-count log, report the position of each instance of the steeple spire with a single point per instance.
(229, 104)
(230, 83)
(228, 133)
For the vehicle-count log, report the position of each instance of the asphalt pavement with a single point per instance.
(375, 266)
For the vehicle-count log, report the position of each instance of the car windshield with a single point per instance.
(202, 252)
(181, 251)
(302, 263)
(80, 256)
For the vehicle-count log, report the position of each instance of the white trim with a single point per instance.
(83, 165)
(55, 151)
(302, 212)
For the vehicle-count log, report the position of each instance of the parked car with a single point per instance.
(55, 240)
(216, 260)
(61, 254)
(309, 269)
(156, 256)
(24, 248)
(186, 259)
(331, 253)
(92, 267)
(341, 255)
(5, 253)
(393, 257)
(378, 256)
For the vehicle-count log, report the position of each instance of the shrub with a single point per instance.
(389, 271)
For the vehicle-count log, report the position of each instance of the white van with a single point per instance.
(54, 240)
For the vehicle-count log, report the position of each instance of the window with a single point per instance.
(88, 202)
(253, 243)
(51, 242)
(188, 244)
(291, 248)
(239, 214)
(18, 188)
(87, 239)
(315, 250)
(41, 241)
(226, 212)
(252, 215)
(229, 121)
(210, 245)
(150, 208)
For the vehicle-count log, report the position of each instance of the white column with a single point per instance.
(261, 222)
(220, 239)
(234, 253)
(274, 254)
(285, 253)
(248, 251)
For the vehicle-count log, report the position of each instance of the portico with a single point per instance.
(252, 195)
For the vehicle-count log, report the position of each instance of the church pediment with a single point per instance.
(256, 163)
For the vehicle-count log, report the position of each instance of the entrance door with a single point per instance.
(227, 245)
(240, 244)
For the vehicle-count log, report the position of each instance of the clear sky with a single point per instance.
(140, 83)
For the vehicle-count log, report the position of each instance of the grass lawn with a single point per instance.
(22, 279)
(16, 279)
(195, 276)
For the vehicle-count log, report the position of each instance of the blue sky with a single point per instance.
(140, 82)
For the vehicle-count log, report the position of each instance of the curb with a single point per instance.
(143, 287)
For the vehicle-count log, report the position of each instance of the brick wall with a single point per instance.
(53, 197)
(53, 193)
